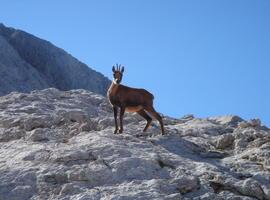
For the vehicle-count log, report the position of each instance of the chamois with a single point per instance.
(130, 100)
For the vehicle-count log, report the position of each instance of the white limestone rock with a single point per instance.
(225, 141)
(60, 145)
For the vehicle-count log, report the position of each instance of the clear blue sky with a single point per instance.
(207, 58)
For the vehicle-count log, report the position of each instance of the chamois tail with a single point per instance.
(151, 95)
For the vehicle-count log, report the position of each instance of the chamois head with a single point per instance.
(117, 73)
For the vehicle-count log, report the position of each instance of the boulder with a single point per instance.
(224, 141)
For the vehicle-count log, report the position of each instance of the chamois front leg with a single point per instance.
(122, 112)
(115, 111)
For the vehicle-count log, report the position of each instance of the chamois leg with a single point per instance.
(122, 112)
(154, 113)
(115, 111)
(147, 117)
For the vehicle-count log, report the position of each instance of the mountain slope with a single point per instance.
(60, 145)
(28, 63)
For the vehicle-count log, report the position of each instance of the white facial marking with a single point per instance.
(115, 81)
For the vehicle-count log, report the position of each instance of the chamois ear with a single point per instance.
(123, 69)
(113, 69)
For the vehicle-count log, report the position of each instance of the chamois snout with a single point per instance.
(117, 80)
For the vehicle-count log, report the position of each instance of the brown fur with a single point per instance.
(131, 100)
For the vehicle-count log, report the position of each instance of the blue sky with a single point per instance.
(206, 58)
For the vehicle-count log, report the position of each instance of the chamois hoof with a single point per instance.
(121, 131)
(115, 132)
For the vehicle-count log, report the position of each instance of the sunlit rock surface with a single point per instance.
(60, 145)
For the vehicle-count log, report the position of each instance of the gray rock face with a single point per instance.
(28, 63)
(60, 145)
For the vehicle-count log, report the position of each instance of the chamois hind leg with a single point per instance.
(147, 117)
(115, 111)
(122, 112)
(154, 113)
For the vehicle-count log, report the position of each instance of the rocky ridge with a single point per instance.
(60, 145)
(29, 63)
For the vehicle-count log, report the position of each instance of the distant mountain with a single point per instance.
(29, 63)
